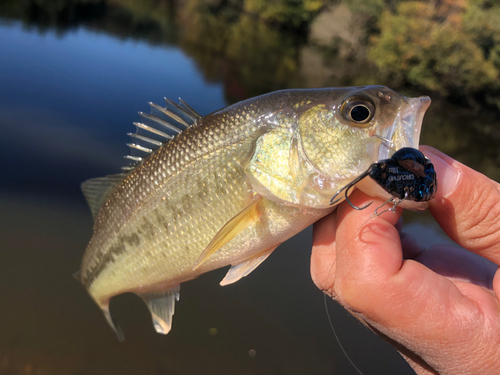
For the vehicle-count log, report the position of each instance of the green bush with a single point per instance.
(434, 47)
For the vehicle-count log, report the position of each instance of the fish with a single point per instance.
(227, 188)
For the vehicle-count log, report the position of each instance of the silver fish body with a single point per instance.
(234, 185)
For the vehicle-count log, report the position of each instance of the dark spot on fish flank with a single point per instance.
(216, 176)
(200, 189)
(132, 240)
(118, 247)
(201, 194)
(176, 211)
(186, 200)
(148, 228)
(92, 273)
(162, 222)
(156, 213)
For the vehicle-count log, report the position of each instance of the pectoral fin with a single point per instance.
(234, 226)
(161, 306)
(243, 269)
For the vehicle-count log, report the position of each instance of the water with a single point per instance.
(73, 77)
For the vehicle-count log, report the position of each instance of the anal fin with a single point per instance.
(237, 271)
(247, 216)
(161, 305)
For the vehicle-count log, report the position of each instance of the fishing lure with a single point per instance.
(407, 175)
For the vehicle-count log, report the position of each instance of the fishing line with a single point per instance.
(407, 175)
(337, 338)
(371, 218)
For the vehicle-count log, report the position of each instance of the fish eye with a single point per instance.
(358, 109)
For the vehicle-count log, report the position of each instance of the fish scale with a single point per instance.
(173, 209)
(231, 186)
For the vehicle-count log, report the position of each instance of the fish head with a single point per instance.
(336, 135)
(341, 136)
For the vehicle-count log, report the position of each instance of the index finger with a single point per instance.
(466, 206)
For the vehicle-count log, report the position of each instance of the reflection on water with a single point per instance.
(74, 73)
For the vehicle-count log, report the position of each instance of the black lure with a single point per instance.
(407, 175)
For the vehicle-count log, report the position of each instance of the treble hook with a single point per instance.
(393, 200)
(348, 187)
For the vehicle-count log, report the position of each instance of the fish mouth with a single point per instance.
(406, 128)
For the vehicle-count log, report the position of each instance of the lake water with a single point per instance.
(72, 80)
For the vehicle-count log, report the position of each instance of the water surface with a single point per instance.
(72, 80)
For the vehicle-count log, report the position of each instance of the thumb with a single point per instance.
(425, 312)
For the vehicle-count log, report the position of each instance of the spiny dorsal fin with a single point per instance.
(157, 128)
(97, 189)
(189, 109)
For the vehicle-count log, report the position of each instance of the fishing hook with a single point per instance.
(348, 187)
(393, 200)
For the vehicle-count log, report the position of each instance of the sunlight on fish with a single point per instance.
(204, 192)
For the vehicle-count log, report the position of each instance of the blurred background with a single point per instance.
(74, 73)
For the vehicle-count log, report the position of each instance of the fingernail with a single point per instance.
(446, 173)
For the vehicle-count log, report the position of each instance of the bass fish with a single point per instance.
(204, 192)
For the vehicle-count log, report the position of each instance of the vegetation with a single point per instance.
(451, 47)
(250, 56)
(293, 13)
(446, 48)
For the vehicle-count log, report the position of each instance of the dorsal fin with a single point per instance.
(157, 128)
(189, 109)
(97, 189)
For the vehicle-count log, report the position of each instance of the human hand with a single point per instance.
(440, 306)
